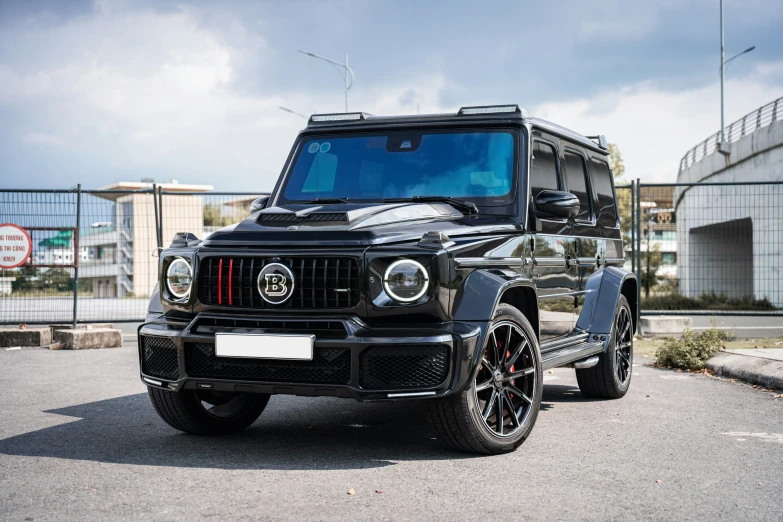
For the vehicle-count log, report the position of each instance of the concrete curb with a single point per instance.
(755, 370)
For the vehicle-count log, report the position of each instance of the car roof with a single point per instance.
(354, 120)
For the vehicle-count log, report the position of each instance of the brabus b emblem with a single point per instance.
(275, 283)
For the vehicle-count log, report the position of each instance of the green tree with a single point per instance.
(623, 194)
(214, 217)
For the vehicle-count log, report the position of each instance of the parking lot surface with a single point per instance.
(80, 441)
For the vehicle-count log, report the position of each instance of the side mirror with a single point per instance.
(258, 204)
(556, 203)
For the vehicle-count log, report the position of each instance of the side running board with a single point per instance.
(571, 354)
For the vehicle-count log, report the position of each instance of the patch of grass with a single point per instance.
(692, 350)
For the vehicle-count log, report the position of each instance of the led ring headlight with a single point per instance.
(406, 280)
(179, 278)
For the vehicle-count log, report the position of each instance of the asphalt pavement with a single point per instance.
(80, 441)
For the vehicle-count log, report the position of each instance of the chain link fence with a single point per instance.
(704, 248)
(94, 252)
(709, 248)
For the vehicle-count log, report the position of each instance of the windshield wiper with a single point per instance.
(327, 201)
(467, 207)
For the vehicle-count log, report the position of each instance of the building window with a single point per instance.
(669, 258)
(664, 235)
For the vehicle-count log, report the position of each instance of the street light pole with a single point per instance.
(286, 109)
(723, 63)
(348, 72)
(722, 70)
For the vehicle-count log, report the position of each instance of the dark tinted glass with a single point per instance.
(478, 166)
(543, 170)
(576, 177)
(602, 182)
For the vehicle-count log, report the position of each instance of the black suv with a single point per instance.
(450, 257)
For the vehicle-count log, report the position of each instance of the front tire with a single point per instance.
(611, 377)
(498, 411)
(204, 412)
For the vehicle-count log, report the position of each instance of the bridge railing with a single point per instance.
(748, 124)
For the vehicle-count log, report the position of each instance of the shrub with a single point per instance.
(708, 301)
(692, 350)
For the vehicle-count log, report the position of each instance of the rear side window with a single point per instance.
(576, 177)
(602, 183)
(543, 169)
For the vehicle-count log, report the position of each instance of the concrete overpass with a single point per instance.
(731, 237)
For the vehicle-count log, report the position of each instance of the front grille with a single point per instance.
(310, 218)
(329, 366)
(321, 282)
(391, 367)
(321, 329)
(159, 357)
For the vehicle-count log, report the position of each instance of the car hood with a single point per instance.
(355, 224)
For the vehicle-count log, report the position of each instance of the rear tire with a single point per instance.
(498, 411)
(611, 377)
(206, 412)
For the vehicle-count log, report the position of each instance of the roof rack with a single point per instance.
(338, 117)
(483, 110)
(600, 139)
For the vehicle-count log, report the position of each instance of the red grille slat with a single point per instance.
(241, 282)
(230, 285)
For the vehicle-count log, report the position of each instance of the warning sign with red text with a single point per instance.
(15, 246)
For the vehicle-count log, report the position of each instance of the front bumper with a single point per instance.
(350, 358)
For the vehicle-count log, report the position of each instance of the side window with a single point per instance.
(576, 178)
(602, 183)
(543, 169)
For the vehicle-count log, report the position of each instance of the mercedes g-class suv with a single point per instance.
(451, 258)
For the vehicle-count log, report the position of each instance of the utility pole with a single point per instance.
(723, 63)
(347, 71)
(722, 70)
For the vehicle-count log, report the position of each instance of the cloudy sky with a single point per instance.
(94, 92)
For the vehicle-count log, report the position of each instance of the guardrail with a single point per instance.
(748, 124)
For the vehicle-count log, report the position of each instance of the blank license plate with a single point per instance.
(265, 346)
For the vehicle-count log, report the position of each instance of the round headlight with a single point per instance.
(179, 277)
(406, 280)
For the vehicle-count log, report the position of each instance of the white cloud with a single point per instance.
(142, 91)
(42, 138)
(153, 91)
(654, 128)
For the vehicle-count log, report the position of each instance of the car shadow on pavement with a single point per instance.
(556, 393)
(293, 433)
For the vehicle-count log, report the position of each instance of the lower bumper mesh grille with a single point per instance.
(159, 357)
(404, 366)
(329, 365)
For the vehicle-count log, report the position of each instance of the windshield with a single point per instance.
(472, 165)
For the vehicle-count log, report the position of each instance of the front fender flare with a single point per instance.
(603, 290)
(155, 306)
(481, 291)
(476, 301)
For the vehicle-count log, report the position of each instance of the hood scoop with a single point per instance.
(313, 217)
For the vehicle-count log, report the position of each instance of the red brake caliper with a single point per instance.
(508, 354)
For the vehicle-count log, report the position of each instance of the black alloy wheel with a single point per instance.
(623, 344)
(206, 412)
(497, 411)
(506, 379)
(611, 377)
